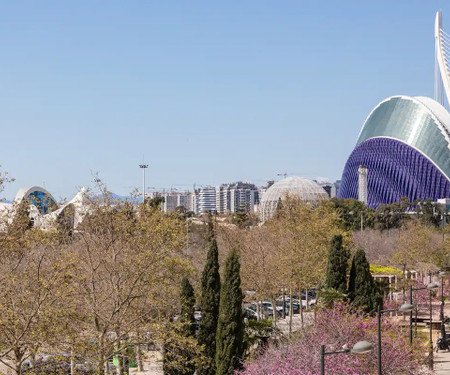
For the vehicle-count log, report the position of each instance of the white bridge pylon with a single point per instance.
(441, 71)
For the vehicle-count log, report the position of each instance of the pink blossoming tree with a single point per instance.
(335, 328)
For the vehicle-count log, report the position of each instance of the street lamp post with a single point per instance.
(406, 307)
(360, 347)
(442, 317)
(431, 286)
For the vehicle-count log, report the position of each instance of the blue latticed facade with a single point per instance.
(395, 170)
(404, 144)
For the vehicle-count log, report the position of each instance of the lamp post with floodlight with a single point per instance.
(406, 307)
(360, 347)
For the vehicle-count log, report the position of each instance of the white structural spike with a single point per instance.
(442, 72)
(362, 184)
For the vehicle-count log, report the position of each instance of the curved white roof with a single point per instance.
(25, 192)
(437, 109)
(420, 122)
(303, 188)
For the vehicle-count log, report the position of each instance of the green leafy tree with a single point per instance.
(336, 277)
(155, 202)
(351, 212)
(429, 213)
(230, 328)
(210, 306)
(363, 291)
(389, 216)
(178, 356)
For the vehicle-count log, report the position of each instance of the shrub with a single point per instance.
(335, 328)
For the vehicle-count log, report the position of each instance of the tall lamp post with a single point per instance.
(406, 307)
(143, 167)
(441, 274)
(360, 347)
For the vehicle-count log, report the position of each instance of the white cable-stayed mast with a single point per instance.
(441, 69)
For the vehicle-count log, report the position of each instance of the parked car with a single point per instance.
(295, 306)
(266, 309)
(311, 303)
(249, 313)
(312, 294)
(57, 364)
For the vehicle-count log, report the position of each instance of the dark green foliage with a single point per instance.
(351, 211)
(257, 335)
(65, 220)
(230, 328)
(429, 213)
(183, 212)
(155, 202)
(351, 281)
(187, 299)
(328, 297)
(21, 221)
(336, 277)
(178, 356)
(363, 291)
(243, 219)
(210, 306)
(389, 216)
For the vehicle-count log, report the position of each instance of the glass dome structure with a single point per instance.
(306, 190)
(39, 197)
(405, 144)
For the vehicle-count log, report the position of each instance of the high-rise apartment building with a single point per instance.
(174, 199)
(237, 197)
(207, 200)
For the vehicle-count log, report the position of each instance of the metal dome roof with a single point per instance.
(306, 190)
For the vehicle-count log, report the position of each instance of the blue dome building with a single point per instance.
(405, 145)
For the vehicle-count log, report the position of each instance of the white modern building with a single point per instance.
(236, 197)
(174, 199)
(206, 200)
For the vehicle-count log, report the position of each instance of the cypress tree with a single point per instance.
(178, 360)
(351, 281)
(336, 277)
(362, 288)
(230, 328)
(187, 299)
(210, 307)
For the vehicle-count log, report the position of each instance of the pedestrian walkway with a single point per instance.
(283, 324)
(441, 358)
(442, 363)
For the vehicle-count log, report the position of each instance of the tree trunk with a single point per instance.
(120, 359)
(301, 310)
(307, 300)
(139, 357)
(18, 356)
(290, 311)
(72, 362)
(106, 368)
(101, 357)
(274, 307)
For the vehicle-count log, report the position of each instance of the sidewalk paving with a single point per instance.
(442, 363)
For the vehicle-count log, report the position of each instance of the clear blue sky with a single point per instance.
(209, 92)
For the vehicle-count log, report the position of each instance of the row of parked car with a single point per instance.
(266, 307)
